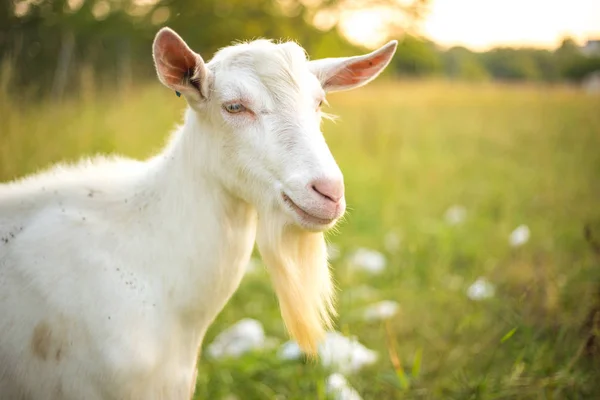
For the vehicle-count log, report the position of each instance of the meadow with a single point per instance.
(505, 155)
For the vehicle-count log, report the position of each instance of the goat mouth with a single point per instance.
(304, 215)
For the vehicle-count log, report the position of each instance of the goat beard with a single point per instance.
(297, 262)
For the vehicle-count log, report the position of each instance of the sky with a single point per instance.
(482, 24)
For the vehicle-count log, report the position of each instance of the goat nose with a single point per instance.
(330, 189)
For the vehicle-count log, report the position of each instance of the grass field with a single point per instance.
(510, 155)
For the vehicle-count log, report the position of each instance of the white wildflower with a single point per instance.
(290, 351)
(345, 354)
(380, 311)
(519, 236)
(368, 260)
(242, 337)
(481, 289)
(337, 386)
(455, 215)
(338, 352)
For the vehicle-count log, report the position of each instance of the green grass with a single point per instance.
(510, 155)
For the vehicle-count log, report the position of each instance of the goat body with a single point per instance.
(111, 270)
(121, 262)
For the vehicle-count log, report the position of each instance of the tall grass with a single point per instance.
(510, 155)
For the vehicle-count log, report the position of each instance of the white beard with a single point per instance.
(297, 262)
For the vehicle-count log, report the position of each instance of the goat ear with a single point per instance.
(344, 73)
(178, 67)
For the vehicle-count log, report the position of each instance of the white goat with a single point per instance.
(112, 270)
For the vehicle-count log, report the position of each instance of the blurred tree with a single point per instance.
(568, 48)
(546, 63)
(511, 64)
(53, 44)
(57, 46)
(572, 63)
(462, 63)
(580, 68)
(417, 57)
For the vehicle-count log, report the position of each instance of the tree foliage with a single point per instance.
(54, 46)
(419, 57)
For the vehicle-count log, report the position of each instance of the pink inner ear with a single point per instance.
(358, 71)
(173, 59)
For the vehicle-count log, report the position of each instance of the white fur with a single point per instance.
(111, 270)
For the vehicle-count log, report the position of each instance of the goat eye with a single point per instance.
(234, 108)
(320, 104)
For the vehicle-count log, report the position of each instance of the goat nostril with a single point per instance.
(332, 190)
(322, 194)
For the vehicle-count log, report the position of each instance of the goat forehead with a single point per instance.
(262, 55)
(281, 68)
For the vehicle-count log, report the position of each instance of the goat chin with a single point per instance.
(297, 262)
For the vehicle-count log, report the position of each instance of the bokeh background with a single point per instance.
(469, 262)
